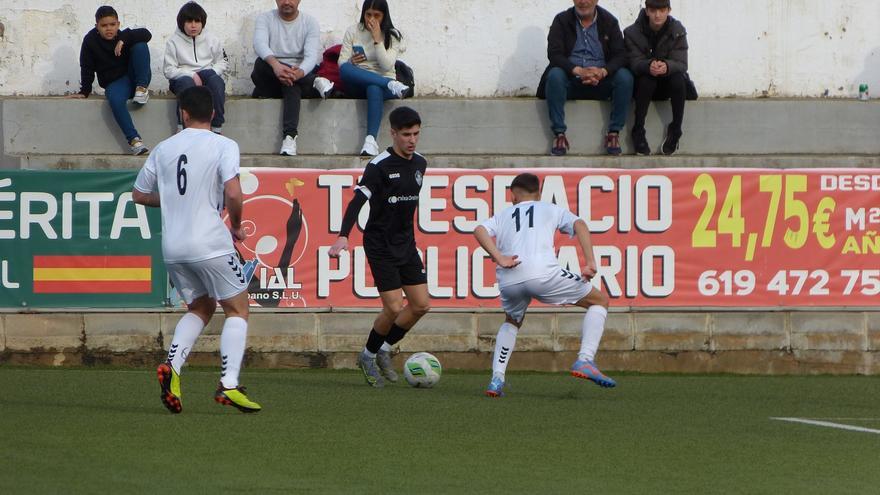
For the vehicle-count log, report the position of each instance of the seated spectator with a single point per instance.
(122, 61)
(288, 44)
(587, 62)
(196, 58)
(658, 56)
(369, 53)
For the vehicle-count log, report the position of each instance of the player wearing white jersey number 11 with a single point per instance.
(520, 241)
(191, 177)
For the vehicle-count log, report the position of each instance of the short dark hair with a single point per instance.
(198, 103)
(657, 4)
(404, 118)
(105, 11)
(529, 183)
(191, 11)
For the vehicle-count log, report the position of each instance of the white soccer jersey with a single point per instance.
(190, 170)
(527, 231)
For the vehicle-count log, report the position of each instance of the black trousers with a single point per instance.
(647, 88)
(266, 85)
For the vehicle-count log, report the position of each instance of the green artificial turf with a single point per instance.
(105, 431)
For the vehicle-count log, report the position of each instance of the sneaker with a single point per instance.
(640, 143)
(137, 146)
(288, 146)
(371, 147)
(670, 145)
(371, 371)
(217, 130)
(397, 88)
(587, 370)
(237, 398)
(612, 143)
(560, 145)
(495, 386)
(386, 367)
(141, 95)
(324, 86)
(169, 382)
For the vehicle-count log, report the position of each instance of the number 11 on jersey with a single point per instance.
(530, 213)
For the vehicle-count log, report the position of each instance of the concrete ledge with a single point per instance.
(829, 332)
(459, 126)
(750, 331)
(763, 342)
(127, 162)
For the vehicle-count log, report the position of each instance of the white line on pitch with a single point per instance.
(845, 419)
(828, 424)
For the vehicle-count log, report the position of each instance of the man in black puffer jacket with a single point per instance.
(587, 62)
(658, 56)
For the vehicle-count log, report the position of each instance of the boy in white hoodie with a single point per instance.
(196, 58)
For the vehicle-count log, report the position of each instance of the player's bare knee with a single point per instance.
(420, 309)
(393, 308)
(602, 300)
(236, 306)
(203, 307)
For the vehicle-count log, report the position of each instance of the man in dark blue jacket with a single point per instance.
(122, 61)
(587, 62)
(658, 56)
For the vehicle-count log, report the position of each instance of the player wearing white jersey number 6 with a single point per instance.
(192, 176)
(520, 241)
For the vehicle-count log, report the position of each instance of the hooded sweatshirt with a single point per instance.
(185, 55)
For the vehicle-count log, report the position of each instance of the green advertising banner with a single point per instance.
(76, 239)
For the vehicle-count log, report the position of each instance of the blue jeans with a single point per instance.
(214, 83)
(121, 90)
(360, 83)
(561, 87)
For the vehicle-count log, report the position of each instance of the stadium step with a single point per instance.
(481, 127)
(127, 162)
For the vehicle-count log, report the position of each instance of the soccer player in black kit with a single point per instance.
(391, 183)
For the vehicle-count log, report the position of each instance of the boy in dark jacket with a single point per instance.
(587, 62)
(122, 61)
(658, 56)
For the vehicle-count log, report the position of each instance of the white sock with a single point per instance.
(386, 347)
(591, 332)
(185, 334)
(232, 343)
(504, 343)
(366, 352)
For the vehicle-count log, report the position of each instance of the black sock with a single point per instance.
(396, 334)
(374, 341)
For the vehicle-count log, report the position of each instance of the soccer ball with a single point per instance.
(422, 370)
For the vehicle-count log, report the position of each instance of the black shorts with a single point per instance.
(389, 274)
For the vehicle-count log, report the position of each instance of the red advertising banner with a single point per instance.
(662, 237)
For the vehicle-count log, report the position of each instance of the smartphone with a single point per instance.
(359, 50)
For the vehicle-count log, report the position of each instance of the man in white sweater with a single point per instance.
(287, 42)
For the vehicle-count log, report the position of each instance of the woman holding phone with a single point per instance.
(369, 52)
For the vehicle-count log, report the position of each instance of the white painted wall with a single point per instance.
(483, 48)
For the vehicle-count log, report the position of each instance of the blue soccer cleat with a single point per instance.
(587, 370)
(495, 387)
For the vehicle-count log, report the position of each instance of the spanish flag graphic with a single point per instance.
(92, 274)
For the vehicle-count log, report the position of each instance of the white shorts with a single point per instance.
(220, 278)
(559, 288)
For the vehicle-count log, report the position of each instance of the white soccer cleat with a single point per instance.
(371, 147)
(288, 146)
(324, 86)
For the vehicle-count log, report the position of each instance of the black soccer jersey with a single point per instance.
(392, 184)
